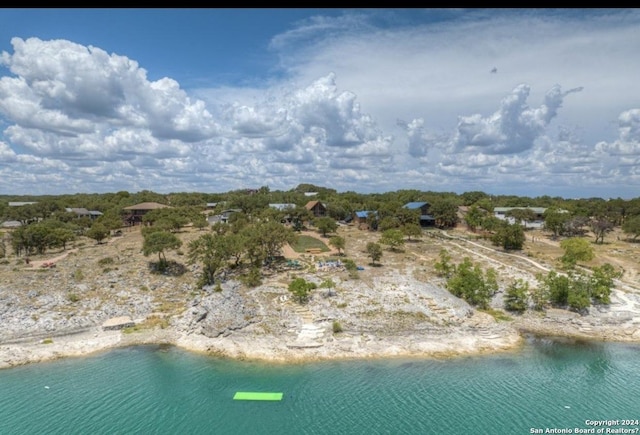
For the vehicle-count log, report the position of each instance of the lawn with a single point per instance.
(307, 242)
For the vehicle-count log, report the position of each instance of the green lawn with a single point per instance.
(306, 242)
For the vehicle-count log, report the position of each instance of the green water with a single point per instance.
(163, 390)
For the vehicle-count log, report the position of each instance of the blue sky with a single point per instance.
(508, 101)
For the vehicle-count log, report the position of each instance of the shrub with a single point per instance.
(337, 327)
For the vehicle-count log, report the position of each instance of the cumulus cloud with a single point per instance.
(628, 142)
(513, 128)
(71, 90)
(76, 118)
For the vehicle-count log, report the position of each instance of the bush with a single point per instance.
(105, 261)
(337, 327)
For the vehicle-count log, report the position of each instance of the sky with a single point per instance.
(526, 102)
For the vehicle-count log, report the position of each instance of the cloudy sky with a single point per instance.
(508, 101)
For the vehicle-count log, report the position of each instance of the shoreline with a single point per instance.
(272, 350)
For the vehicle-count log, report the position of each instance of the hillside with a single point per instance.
(397, 308)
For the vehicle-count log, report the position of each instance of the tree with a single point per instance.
(576, 249)
(337, 242)
(411, 230)
(329, 285)
(444, 268)
(474, 217)
(632, 227)
(445, 213)
(200, 222)
(555, 221)
(392, 238)
(516, 295)
(301, 289)
(159, 242)
(98, 232)
(521, 215)
(471, 284)
(509, 236)
(325, 225)
(600, 227)
(557, 287)
(212, 251)
(374, 251)
(602, 281)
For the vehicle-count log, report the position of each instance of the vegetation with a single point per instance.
(157, 242)
(301, 289)
(374, 251)
(307, 242)
(470, 283)
(576, 249)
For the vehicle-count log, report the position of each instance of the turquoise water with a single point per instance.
(164, 390)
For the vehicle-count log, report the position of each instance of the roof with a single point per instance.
(536, 210)
(146, 206)
(312, 204)
(427, 217)
(282, 207)
(79, 211)
(365, 213)
(415, 205)
(20, 203)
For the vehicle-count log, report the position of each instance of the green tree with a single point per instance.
(159, 242)
(557, 287)
(301, 289)
(631, 226)
(509, 237)
(98, 232)
(374, 251)
(411, 230)
(329, 285)
(516, 296)
(521, 215)
(474, 217)
(445, 212)
(393, 238)
(444, 268)
(338, 242)
(212, 251)
(555, 221)
(471, 284)
(602, 281)
(578, 298)
(325, 225)
(576, 249)
(200, 222)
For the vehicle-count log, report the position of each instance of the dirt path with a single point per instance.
(50, 261)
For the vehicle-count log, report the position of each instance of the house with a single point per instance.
(426, 220)
(83, 212)
(283, 207)
(226, 214)
(361, 218)
(136, 212)
(538, 222)
(316, 208)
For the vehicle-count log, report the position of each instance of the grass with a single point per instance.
(307, 242)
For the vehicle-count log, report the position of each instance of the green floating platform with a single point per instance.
(247, 395)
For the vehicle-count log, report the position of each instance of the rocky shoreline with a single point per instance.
(396, 310)
(413, 319)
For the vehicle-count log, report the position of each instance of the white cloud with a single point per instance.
(76, 118)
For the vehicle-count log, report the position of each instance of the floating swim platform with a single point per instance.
(248, 395)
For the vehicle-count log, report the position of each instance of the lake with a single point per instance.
(546, 386)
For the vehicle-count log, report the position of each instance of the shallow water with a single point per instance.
(164, 390)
